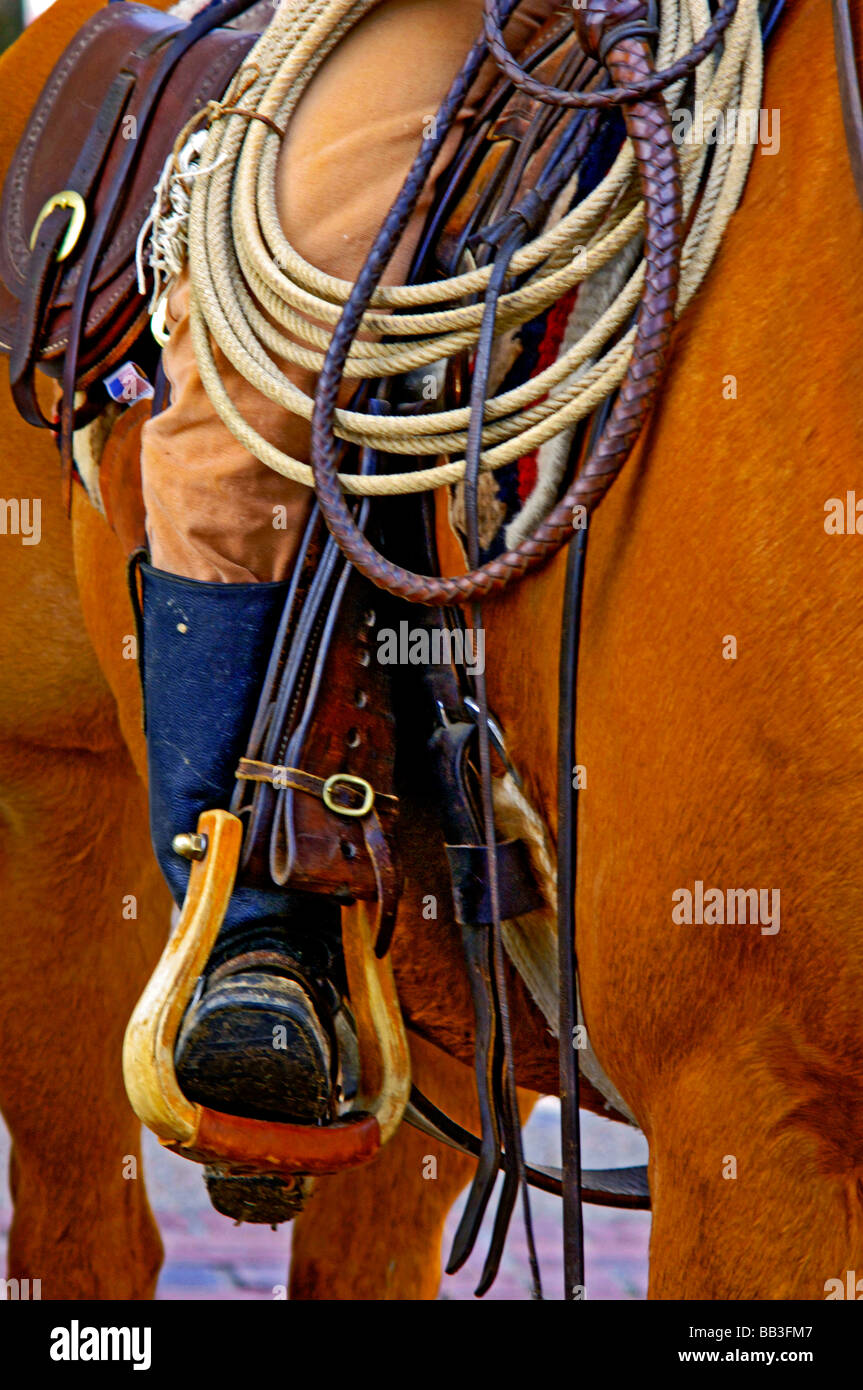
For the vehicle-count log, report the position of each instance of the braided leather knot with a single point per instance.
(599, 24)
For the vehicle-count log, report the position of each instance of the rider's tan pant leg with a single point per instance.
(210, 505)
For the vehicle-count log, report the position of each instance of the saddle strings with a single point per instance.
(256, 299)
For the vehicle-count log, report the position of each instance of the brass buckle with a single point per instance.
(347, 778)
(66, 199)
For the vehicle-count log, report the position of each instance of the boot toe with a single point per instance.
(253, 1045)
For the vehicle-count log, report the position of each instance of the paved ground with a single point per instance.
(206, 1257)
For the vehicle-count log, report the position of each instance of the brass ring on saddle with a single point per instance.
(67, 199)
(347, 778)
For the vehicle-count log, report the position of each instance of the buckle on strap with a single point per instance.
(252, 770)
(67, 199)
(347, 778)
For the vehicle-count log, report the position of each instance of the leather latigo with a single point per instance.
(353, 732)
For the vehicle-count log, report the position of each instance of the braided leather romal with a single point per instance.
(649, 128)
(591, 22)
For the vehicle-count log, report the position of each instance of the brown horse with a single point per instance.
(751, 1108)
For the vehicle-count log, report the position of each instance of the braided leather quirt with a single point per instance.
(591, 22)
(649, 128)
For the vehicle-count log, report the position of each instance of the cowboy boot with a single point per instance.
(259, 1037)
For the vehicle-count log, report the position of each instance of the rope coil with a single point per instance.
(255, 298)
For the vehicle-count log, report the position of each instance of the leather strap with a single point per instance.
(343, 796)
(339, 795)
(44, 270)
(604, 1187)
(567, 826)
(326, 705)
(470, 874)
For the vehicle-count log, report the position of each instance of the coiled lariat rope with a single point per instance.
(254, 297)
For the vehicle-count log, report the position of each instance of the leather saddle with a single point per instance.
(81, 184)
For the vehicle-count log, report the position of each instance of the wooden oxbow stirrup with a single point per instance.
(208, 1136)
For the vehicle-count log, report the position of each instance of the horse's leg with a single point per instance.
(754, 1196)
(77, 940)
(73, 964)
